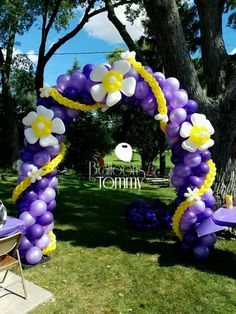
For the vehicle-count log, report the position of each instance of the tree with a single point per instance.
(58, 14)
(15, 18)
(219, 68)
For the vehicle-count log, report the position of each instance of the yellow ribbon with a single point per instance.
(20, 188)
(210, 177)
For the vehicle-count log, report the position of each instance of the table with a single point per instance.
(12, 225)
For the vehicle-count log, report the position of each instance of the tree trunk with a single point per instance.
(10, 129)
(214, 55)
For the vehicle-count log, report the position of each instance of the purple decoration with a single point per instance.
(62, 81)
(172, 130)
(178, 181)
(27, 167)
(29, 196)
(25, 244)
(142, 90)
(38, 208)
(59, 112)
(28, 219)
(51, 205)
(49, 228)
(45, 219)
(209, 239)
(132, 73)
(41, 184)
(202, 169)
(47, 195)
(77, 80)
(43, 242)
(198, 207)
(35, 232)
(172, 84)
(71, 92)
(179, 99)
(206, 155)
(41, 158)
(182, 171)
(25, 154)
(195, 181)
(53, 150)
(53, 182)
(87, 69)
(200, 251)
(192, 159)
(178, 116)
(34, 255)
(191, 106)
(210, 201)
(149, 103)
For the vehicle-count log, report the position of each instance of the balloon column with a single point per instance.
(127, 81)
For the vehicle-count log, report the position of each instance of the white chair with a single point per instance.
(9, 256)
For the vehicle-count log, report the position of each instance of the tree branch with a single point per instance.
(214, 55)
(85, 19)
(172, 45)
(122, 30)
(53, 16)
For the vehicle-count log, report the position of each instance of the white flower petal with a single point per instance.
(30, 118)
(46, 113)
(128, 86)
(195, 191)
(98, 92)
(198, 119)
(113, 98)
(185, 129)
(48, 140)
(161, 117)
(105, 108)
(209, 143)
(30, 136)
(209, 127)
(189, 146)
(128, 54)
(121, 66)
(58, 126)
(98, 73)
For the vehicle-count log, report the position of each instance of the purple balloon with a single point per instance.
(29, 196)
(28, 219)
(202, 169)
(201, 251)
(41, 158)
(59, 112)
(209, 239)
(35, 232)
(53, 182)
(178, 116)
(62, 81)
(142, 90)
(172, 84)
(149, 103)
(172, 130)
(49, 228)
(43, 242)
(25, 244)
(72, 113)
(189, 217)
(191, 106)
(210, 201)
(198, 207)
(189, 237)
(45, 219)
(26, 167)
(34, 255)
(77, 80)
(206, 155)
(87, 69)
(25, 154)
(52, 205)
(47, 195)
(195, 181)
(178, 181)
(182, 171)
(53, 150)
(41, 184)
(38, 208)
(192, 159)
(204, 215)
(132, 73)
(179, 99)
(22, 206)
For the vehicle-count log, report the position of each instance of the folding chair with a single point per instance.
(9, 256)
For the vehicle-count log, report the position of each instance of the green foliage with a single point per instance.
(88, 136)
(75, 66)
(114, 55)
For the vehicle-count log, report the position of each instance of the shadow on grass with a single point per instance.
(97, 220)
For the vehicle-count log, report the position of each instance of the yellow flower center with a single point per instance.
(112, 81)
(42, 126)
(199, 135)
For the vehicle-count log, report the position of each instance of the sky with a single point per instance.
(98, 35)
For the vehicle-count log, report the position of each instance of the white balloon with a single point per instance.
(124, 152)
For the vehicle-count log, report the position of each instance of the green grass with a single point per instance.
(100, 266)
(136, 160)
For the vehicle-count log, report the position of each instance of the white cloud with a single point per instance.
(100, 27)
(233, 51)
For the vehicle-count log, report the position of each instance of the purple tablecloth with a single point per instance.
(12, 225)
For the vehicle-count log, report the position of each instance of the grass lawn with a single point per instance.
(100, 266)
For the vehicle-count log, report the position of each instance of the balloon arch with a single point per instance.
(100, 87)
